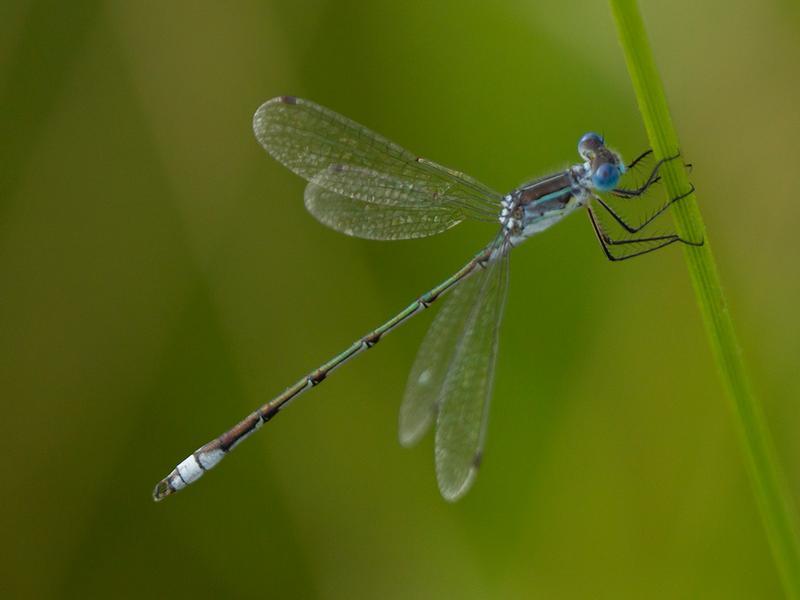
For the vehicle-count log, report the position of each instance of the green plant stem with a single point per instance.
(774, 502)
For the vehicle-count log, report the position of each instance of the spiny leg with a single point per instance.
(630, 228)
(644, 155)
(606, 241)
(636, 160)
(653, 178)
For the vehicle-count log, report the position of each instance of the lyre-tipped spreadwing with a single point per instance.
(363, 185)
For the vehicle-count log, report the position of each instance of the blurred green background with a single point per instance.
(161, 278)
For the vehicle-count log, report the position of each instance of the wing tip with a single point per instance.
(409, 439)
(454, 492)
(411, 428)
(290, 100)
(264, 115)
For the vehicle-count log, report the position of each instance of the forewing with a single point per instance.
(463, 404)
(350, 160)
(374, 221)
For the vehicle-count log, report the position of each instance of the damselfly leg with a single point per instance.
(638, 159)
(658, 241)
(653, 178)
(651, 242)
(630, 228)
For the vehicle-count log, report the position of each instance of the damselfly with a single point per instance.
(363, 185)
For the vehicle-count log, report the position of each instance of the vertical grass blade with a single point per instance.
(773, 500)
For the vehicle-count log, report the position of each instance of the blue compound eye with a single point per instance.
(589, 143)
(605, 177)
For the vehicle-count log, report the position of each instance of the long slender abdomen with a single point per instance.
(207, 457)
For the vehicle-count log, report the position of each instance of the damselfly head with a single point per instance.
(589, 144)
(604, 164)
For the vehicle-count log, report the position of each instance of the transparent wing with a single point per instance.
(348, 159)
(375, 221)
(466, 391)
(435, 355)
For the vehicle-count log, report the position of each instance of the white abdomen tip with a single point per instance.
(209, 460)
(189, 470)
